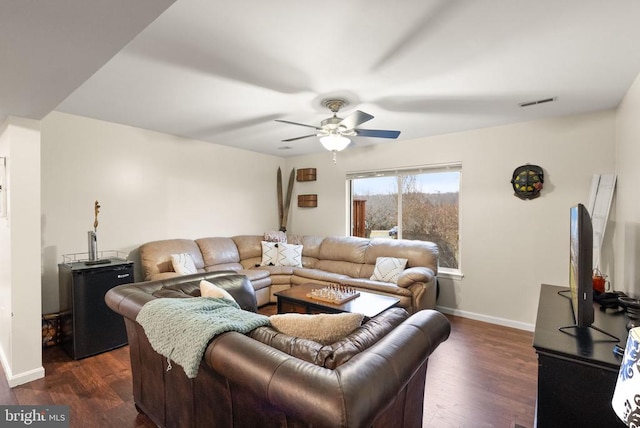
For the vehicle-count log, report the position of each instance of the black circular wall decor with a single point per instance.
(527, 181)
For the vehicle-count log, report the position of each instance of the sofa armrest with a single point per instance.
(351, 395)
(415, 274)
(128, 299)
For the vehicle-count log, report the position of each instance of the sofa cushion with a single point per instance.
(183, 264)
(344, 249)
(335, 354)
(310, 248)
(260, 279)
(418, 253)
(388, 269)
(342, 255)
(255, 274)
(218, 251)
(249, 246)
(156, 256)
(311, 244)
(274, 270)
(322, 328)
(304, 275)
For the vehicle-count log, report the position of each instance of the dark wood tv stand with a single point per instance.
(576, 375)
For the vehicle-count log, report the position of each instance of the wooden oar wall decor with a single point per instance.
(283, 206)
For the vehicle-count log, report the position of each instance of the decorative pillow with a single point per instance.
(289, 255)
(275, 236)
(322, 328)
(183, 264)
(208, 289)
(269, 253)
(388, 269)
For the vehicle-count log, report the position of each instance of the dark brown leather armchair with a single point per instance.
(243, 382)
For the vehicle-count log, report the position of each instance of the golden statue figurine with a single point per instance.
(95, 221)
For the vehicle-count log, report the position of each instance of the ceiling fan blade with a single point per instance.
(356, 118)
(299, 124)
(377, 133)
(298, 138)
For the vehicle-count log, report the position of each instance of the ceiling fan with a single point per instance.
(334, 132)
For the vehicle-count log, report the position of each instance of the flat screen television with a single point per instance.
(581, 266)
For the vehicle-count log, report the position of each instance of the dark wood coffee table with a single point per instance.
(295, 299)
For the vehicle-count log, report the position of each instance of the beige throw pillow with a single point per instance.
(208, 289)
(323, 328)
(388, 269)
(183, 264)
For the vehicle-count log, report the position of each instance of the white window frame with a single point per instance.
(398, 172)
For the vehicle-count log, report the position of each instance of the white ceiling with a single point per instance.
(49, 48)
(222, 71)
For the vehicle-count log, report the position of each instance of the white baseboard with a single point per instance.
(486, 318)
(20, 378)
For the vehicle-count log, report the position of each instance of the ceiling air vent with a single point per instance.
(533, 103)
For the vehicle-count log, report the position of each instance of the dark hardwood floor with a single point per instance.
(483, 376)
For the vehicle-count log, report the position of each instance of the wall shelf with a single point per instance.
(306, 174)
(307, 201)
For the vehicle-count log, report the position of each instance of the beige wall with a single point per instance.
(150, 186)
(155, 186)
(627, 208)
(509, 246)
(20, 328)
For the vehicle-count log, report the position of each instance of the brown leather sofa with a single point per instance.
(375, 377)
(345, 260)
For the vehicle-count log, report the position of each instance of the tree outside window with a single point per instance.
(414, 204)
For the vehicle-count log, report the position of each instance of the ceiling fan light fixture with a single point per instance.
(334, 142)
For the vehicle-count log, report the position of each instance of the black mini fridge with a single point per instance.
(88, 325)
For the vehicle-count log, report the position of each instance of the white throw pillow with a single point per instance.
(208, 289)
(269, 253)
(183, 264)
(289, 255)
(388, 269)
(323, 328)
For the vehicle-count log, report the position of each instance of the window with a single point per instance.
(417, 203)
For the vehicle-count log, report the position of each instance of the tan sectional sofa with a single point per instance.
(344, 260)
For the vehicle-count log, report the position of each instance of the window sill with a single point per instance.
(450, 274)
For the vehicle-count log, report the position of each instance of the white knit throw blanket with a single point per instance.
(180, 329)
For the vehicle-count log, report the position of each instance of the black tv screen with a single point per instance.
(581, 266)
